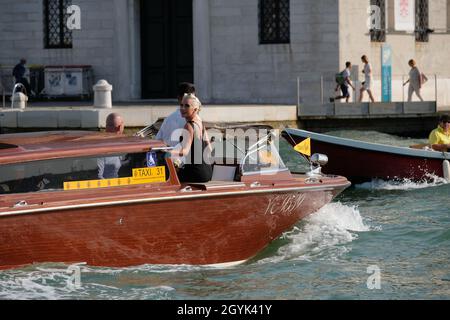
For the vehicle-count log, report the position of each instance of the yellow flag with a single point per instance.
(304, 147)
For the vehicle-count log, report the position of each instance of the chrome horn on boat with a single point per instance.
(317, 161)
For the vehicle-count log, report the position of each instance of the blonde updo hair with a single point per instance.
(196, 102)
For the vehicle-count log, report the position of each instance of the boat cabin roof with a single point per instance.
(21, 147)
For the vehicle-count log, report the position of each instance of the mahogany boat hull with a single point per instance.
(197, 230)
(360, 162)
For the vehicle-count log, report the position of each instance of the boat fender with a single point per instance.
(446, 169)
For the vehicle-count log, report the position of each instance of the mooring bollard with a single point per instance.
(102, 94)
(19, 99)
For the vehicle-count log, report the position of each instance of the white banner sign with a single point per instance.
(405, 15)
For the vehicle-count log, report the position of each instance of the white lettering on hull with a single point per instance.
(284, 204)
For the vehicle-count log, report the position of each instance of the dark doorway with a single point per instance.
(166, 47)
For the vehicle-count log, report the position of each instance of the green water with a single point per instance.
(401, 229)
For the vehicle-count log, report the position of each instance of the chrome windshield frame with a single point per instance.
(260, 145)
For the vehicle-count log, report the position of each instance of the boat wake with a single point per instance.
(404, 184)
(52, 282)
(35, 283)
(323, 235)
(55, 281)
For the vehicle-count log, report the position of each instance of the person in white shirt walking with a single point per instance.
(367, 84)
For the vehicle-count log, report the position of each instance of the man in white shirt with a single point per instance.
(367, 84)
(169, 132)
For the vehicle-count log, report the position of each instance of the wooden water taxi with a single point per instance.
(54, 206)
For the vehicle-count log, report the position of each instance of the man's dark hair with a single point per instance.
(348, 64)
(444, 118)
(185, 87)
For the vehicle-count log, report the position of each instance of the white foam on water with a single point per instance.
(323, 234)
(167, 268)
(53, 283)
(404, 184)
(154, 293)
(37, 284)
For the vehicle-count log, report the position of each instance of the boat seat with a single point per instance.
(223, 173)
(214, 185)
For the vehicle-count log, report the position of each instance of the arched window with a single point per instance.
(56, 33)
(274, 21)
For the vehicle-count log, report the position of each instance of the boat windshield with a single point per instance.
(101, 171)
(263, 158)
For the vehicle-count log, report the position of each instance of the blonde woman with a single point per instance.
(415, 81)
(367, 84)
(194, 144)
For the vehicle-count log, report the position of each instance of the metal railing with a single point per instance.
(319, 89)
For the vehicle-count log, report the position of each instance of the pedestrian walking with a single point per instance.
(19, 75)
(343, 83)
(416, 80)
(367, 84)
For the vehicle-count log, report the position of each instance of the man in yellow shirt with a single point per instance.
(440, 137)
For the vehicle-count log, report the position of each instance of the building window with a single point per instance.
(274, 22)
(56, 33)
(422, 29)
(378, 21)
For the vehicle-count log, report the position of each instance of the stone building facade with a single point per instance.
(431, 55)
(143, 48)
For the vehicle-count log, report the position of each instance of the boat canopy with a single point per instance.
(60, 144)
